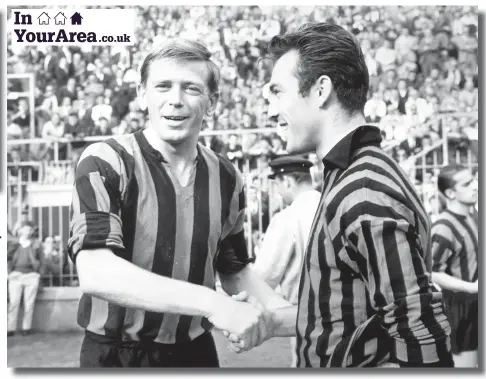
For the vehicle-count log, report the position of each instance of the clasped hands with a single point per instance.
(244, 322)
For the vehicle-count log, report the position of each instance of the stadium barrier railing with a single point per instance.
(262, 199)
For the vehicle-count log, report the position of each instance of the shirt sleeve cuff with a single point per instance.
(95, 230)
(233, 255)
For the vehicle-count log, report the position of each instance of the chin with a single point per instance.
(302, 148)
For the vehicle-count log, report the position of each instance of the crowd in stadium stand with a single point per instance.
(422, 61)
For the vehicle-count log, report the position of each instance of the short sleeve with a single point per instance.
(97, 197)
(442, 247)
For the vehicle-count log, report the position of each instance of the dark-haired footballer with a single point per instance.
(455, 251)
(365, 295)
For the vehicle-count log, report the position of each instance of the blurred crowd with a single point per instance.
(422, 61)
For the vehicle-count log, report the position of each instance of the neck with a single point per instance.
(176, 154)
(300, 189)
(459, 208)
(334, 129)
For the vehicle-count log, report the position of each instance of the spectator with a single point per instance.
(407, 65)
(103, 127)
(390, 79)
(22, 117)
(54, 129)
(123, 127)
(76, 131)
(277, 146)
(412, 144)
(234, 151)
(248, 122)
(133, 110)
(102, 109)
(14, 131)
(417, 105)
(134, 125)
(26, 267)
(405, 43)
(428, 47)
(375, 108)
(24, 216)
(371, 62)
(457, 141)
(450, 101)
(402, 95)
(467, 44)
(93, 86)
(435, 79)
(65, 108)
(469, 95)
(69, 90)
(386, 56)
(78, 66)
(391, 99)
(62, 72)
(84, 113)
(453, 75)
(108, 96)
(393, 125)
(50, 104)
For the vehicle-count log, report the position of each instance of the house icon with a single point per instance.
(60, 19)
(76, 19)
(43, 19)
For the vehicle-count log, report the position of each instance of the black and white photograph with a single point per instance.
(249, 186)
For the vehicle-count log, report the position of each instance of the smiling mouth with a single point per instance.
(175, 118)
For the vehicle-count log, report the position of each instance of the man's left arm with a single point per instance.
(385, 250)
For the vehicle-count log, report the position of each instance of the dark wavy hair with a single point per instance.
(327, 49)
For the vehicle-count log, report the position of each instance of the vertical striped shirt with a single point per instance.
(125, 198)
(455, 246)
(365, 295)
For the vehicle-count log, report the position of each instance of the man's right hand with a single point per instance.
(266, 326)
(245, 324)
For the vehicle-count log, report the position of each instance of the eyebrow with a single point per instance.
(185, 82)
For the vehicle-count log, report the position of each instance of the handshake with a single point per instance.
(243, 321)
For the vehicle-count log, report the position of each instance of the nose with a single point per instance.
(272, 111)
(475, 184)
(175, 97)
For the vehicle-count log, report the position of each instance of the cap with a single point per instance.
(289, 163)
